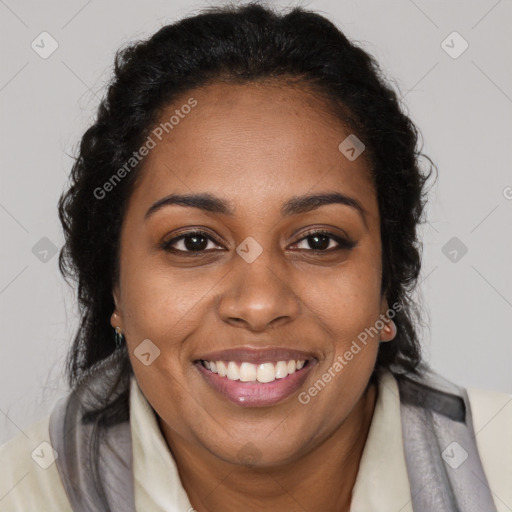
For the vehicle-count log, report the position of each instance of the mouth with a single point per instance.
(256, 377)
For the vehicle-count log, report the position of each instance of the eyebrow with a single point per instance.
(294, 206)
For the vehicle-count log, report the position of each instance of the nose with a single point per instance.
(258, 295)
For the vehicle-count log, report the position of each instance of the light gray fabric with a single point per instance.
(436, 418)
(434, 412)
(71, 437)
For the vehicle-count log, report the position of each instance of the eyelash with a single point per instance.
(343, 243)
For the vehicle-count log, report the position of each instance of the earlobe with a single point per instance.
(389, 330)
(115, 318)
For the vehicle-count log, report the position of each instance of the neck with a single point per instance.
(321, 480)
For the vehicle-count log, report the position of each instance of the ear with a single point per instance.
(388, 332)
(116, 317)
(384, 305)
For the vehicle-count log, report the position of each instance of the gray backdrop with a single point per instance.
(461, 99)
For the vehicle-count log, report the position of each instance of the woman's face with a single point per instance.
(257, 291)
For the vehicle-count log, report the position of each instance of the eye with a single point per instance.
(197, 242)
(190, 242)
(320, 240)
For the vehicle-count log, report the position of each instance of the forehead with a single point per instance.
(251, 144)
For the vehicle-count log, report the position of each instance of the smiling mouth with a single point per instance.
(263, 373)
(258, 384)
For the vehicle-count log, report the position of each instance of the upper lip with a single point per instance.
(257, 355)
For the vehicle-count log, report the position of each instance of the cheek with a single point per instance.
(348, 300)
(350, 306)
(164, 388)
(163, 303)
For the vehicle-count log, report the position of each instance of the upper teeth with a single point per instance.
(248, 372)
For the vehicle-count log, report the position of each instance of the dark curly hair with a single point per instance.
(239, 44)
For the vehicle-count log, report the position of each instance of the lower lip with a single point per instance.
(256, 394)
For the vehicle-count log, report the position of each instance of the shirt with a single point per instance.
(29, 479)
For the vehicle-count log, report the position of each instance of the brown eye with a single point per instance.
(197, 242)
(193, 241)
(321, 240)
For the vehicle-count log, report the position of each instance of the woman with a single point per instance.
(241, 222)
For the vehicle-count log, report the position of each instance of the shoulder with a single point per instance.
(29, 478)
(492, 421)
(491, 409)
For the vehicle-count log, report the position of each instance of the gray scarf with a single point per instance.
(443, 465)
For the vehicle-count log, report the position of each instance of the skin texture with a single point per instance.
(256, 146)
